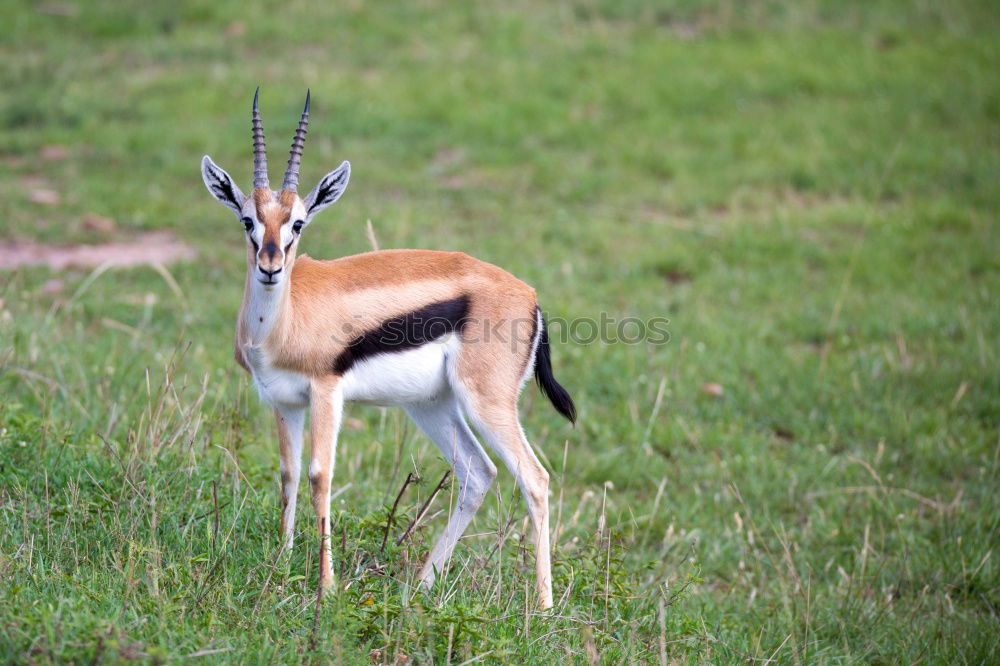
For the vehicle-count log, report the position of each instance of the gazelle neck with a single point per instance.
(263, 306)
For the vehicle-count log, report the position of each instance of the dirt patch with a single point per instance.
(157, 247)
(674, 275)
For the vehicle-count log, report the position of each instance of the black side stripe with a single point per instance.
(407, 331)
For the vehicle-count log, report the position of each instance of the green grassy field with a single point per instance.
(807, 191)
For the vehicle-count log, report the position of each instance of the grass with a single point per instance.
(807, 191)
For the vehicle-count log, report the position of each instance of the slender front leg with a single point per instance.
(327, 403)
(290, 423)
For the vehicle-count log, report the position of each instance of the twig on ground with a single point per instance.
(410, 478)
(423, 509)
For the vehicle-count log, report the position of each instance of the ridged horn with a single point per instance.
(259, 149)
(295, 157)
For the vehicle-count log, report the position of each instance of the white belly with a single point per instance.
(401, 378)
(390, 379)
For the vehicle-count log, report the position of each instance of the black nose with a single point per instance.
(269, 274)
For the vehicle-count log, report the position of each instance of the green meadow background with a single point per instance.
(805, 473)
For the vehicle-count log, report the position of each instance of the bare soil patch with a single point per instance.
(156, 247)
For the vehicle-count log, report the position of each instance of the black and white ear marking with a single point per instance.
(221, 185)
(329, 189)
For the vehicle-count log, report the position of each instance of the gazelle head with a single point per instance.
(274, 219)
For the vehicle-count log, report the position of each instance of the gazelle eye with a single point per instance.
(297, 226)
(247, 224)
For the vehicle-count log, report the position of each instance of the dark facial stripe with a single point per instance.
(405, 332)
(270, 250)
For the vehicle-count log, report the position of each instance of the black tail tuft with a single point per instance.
(547, 382)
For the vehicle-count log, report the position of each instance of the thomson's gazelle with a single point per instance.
(443, 335)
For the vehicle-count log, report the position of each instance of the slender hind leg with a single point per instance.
(290, 422)
(443, 422)
(327, 404)
(501, 428)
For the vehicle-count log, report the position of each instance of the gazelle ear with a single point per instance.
(329, 189)
(221, 185)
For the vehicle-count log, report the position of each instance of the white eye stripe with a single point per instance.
(252, 229)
